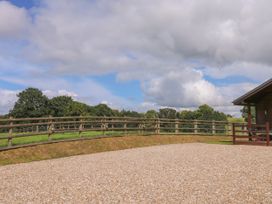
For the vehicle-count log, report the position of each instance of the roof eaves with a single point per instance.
(241, 99)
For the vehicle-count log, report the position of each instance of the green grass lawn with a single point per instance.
(69, 135)
(56, 136)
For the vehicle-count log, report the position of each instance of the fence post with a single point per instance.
(176, 126)
(112, 127)
(143, 127)
(267, 133)
(195, 127)
(10, 132)
(139, 128)
(233, 133)
(227, 129)
(158, 126)
(80, 127)
(50, 128)
(125, 126)
(103, 125)
(213, 127)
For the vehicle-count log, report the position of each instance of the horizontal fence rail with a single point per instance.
(56, 128)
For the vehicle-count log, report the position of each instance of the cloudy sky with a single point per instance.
(136, 54)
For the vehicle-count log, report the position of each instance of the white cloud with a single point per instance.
(7, 101)
(13, 20)
(230, 93)
(123, 36)
(234, 91)
(255, 71)
(184, 88)
(158, 42)
(231, 110)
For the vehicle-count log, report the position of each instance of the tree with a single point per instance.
(31, 103)
(151, 114)
(59, 105)
(168, 113)
(103, 110)
(77, 109)
(128, 113)
(187, 115)
(204, 112)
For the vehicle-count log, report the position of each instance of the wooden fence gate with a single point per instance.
(255, 135)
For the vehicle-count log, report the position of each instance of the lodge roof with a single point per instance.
(254, 95)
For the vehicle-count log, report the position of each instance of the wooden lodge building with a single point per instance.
(259, 98)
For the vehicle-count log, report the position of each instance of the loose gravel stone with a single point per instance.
(180, 173)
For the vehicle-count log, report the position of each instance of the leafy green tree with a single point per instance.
(204, 112)
(59, 105)
(151, 114)
(103, 110)
(168, 113)
(128, 113)
(77, 109)
(116, 112)
(187, 115)
(31, 103)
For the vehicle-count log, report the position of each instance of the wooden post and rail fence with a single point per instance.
(84, 127)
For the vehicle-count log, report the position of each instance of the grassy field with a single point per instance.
(63, 136)
(57, 136)
(64, 149)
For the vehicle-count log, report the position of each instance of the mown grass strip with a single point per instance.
(55, 137)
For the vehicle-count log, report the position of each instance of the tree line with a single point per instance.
(33, 103)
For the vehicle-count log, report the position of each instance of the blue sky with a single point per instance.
(24, 3)
(133, 54)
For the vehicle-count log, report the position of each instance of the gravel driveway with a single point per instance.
(181, 173)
